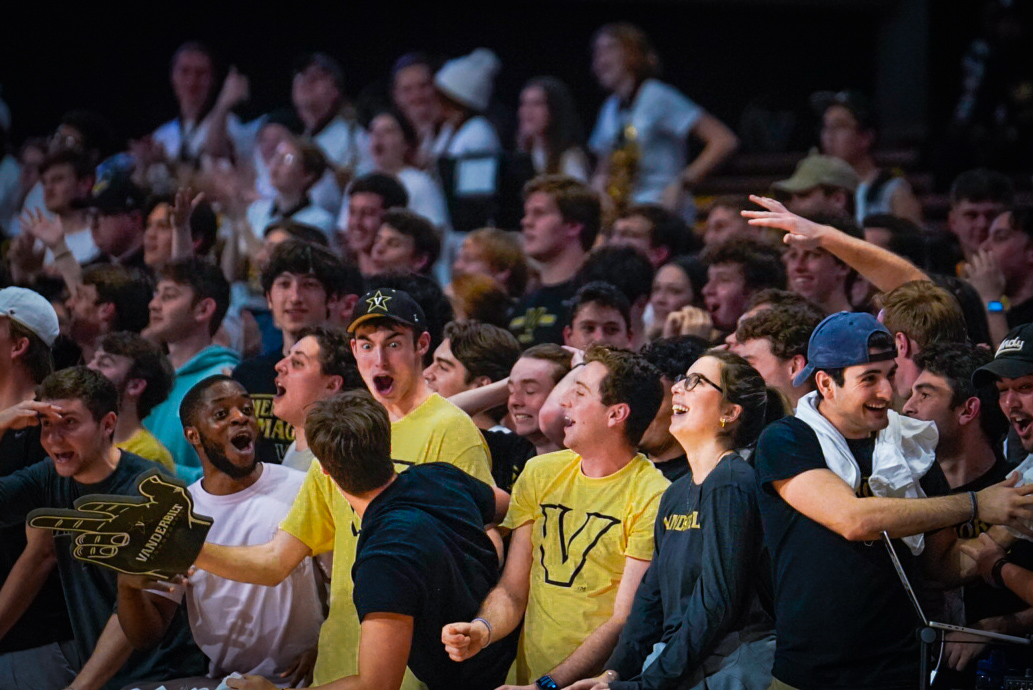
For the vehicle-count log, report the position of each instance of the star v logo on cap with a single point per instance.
(385, 303)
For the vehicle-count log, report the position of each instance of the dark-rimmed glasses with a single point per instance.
(690, 381)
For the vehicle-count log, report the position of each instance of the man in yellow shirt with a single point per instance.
(389, 342)
(143, 376)
(582, 522)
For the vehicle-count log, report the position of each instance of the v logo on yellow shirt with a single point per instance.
(563, 557)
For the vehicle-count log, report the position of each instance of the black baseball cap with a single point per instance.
(391, 304)
(1013, 360)
(114, 192)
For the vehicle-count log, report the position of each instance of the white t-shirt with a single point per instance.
(253, 629)
(663, 118)
(260, 215)
(573, 162)
(80, 243)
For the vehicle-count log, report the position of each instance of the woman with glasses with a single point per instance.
(700, 617)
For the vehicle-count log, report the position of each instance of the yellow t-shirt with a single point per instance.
(436, 431)
(583, 529)
(147, 446)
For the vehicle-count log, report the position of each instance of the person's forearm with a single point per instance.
(713, 154)
(503, 610)
(67, 266)
(477, 400)
(110, 654)
(901, 517)
(26, 579)
(141, 621)
(217, 141)
(881, 267)
(259, 564)
(1018, 580)
(588, 659)
(997, 323)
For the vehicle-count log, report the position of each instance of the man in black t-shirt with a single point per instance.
(78, 413)
(560, 224)
(842, 617)
(970, 424)
(302, 282)
(422, 558)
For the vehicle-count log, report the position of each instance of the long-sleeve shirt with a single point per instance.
(704, 583)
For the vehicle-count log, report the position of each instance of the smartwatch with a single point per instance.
(546, 683)
(995, 307)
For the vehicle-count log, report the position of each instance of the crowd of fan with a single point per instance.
(679, 440)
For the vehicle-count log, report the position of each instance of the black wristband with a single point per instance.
(995, 573)
(546, 683)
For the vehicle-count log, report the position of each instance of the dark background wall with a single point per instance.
(725, 54)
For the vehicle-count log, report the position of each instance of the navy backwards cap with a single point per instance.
(391, 304)
(840, 341)
(1014, 358)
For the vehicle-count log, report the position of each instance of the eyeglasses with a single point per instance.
(690, 381)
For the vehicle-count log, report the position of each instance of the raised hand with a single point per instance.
(235, 90)
(157, 535)
(25, 414)
(800, 231)
(49, 231)
(1006, 503)
(985, 275)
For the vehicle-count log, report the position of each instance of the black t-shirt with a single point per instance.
(702, 592)
(422, 552)
(46, 619)
(90, 591)
(509, 453)
(1020, 314)
(674, 469)
(258, 376)
(843, 619)
(982, 600)
(539, 317)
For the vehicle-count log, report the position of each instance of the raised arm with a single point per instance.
(881, 267)
(261, 564)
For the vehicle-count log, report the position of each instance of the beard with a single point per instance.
(219, 460)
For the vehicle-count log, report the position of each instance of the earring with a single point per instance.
(722, 424)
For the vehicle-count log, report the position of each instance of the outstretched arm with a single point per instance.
(828, 500)
(261, 564)
(881, 267)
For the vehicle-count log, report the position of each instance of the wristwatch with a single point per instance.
(546, 683)
(998, 306)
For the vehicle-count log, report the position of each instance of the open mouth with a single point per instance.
(242, 440)
(62, 457)
(383, 384)
(678, 409)
(1021, 424)
(280, 390)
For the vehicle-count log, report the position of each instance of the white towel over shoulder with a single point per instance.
(904, 452)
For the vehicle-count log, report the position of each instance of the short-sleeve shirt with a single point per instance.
(539, 316)
(842, 617)
(436, 431)
(147, 446)
(91, 591)
(662, 117)
(583, 529)
(423, 553)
